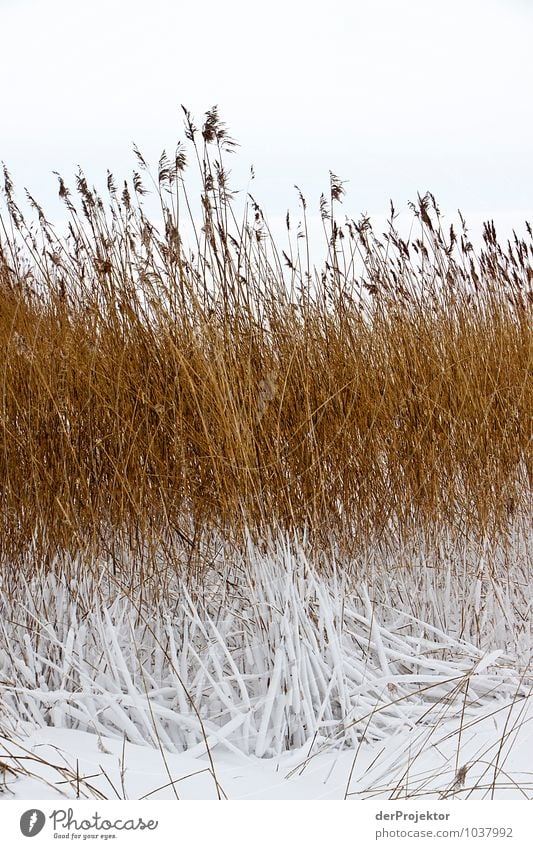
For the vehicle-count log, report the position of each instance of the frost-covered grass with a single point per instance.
(271, 657)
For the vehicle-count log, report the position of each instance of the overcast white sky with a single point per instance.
(395, 96)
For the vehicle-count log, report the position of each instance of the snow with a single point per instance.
(495, 747)
(281, 682)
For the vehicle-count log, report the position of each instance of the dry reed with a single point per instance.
(150, 393)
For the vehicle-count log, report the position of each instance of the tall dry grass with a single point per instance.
(150, 393)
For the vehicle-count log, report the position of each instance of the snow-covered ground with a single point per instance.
(278, 681)
(490, 757)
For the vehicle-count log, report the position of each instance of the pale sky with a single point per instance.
(394, 96)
